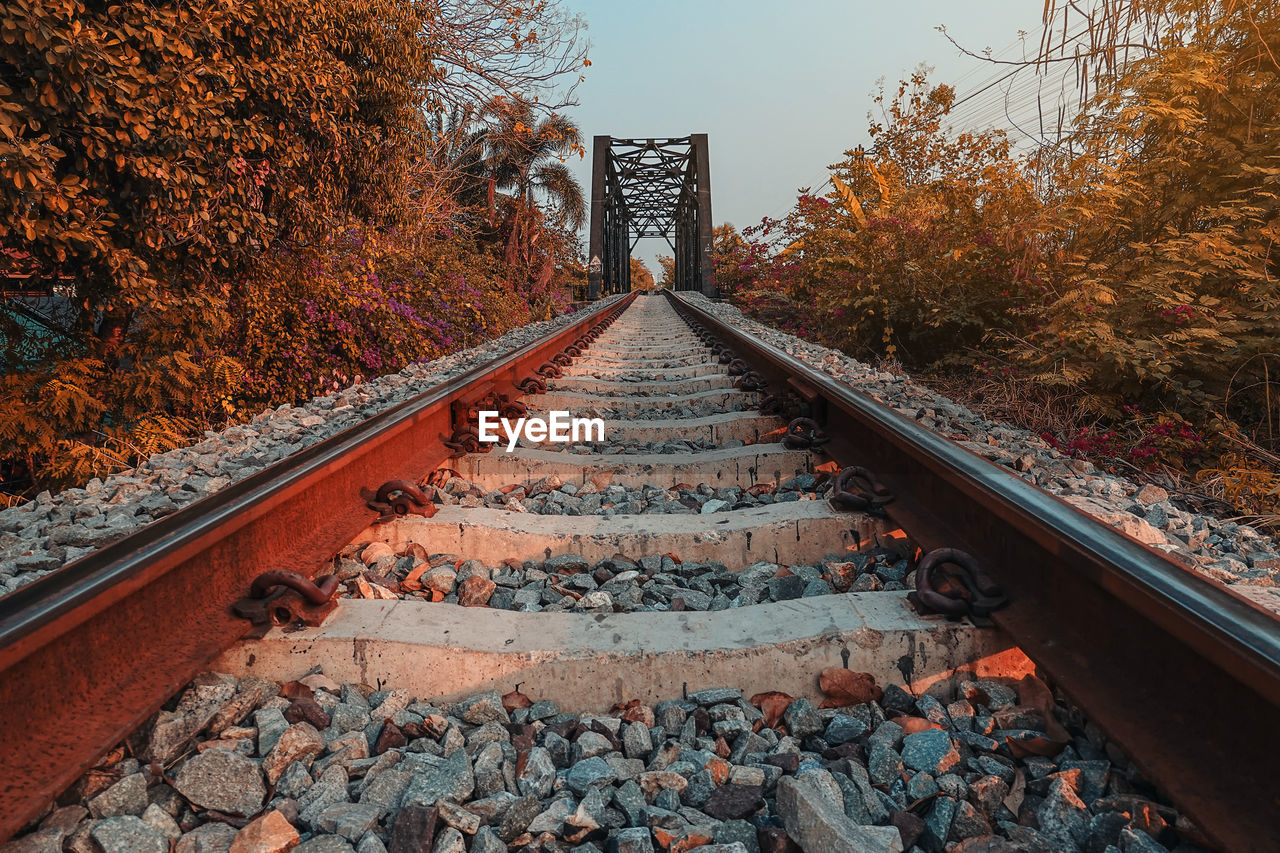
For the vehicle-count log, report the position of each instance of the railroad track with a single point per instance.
(720, 535)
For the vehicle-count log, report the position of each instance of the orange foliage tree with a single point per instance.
(194, 173)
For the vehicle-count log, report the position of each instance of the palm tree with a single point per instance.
(527, 155)
(526, 158)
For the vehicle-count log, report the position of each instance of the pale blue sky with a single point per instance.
(782, 89)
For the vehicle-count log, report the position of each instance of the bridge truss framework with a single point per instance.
(650, 188)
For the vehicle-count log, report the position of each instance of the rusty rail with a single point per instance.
(1180, 671)
(89, 652)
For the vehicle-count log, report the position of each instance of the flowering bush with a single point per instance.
(366, 303)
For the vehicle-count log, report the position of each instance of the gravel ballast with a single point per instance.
(312, 765)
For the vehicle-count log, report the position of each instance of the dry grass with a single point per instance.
(1021, 402)
(1241, 484)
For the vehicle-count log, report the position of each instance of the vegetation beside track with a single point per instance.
(1115, 290)
(207, 209)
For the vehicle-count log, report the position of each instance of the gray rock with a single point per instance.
(824, 782)
(953, 786)
(128, 796)
(208, 694)
(552, 818)
(563, 563)
(214, 837)
(993, 694)
(887, 734)
(325, 844)
(786, 588)
(631, 840)
(843, 729)
(347, 717)
(937, 824)
(484, 708)
(518, 816)
(329, 788)
(817, 823)
(222, 780)
(487, 841)
(1062, 817)
(1137, 841)
(588, 773)
(128, 834)
(449, 840)
(738, 832)
(629, 799)
(968, 822)
(487, 768)
(591, 744)
(929, 751)
(636, 740)
(802, 719)
(383, 789)
(921, 786)
(40, 841)
(449, 778)
(538, 775)
(161, 821)
(371, 843)
(715, 695)
(884, 765)
(350, 820)
(861, 802)
(294, 781)
(271, 724)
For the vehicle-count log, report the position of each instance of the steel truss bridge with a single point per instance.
(650, 188)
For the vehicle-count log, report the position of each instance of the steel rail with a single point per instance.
(90, 651)
(1179, 670)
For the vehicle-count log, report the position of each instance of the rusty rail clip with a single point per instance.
(549, 371)
(530, 385)
(856, 488)
(281, 597)
(465, 440)
(751, 381)
(511, 409)
(804, 433)
(962, 590)
(398, 498)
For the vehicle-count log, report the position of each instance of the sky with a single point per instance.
(781, 88)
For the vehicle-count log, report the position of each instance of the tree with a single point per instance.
(151, 151)
(1165, 205)
(526, 156)
(731, 257)
(487, 49)
(668, 265)
(641, 277)
(171, 160)
(925, 245)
